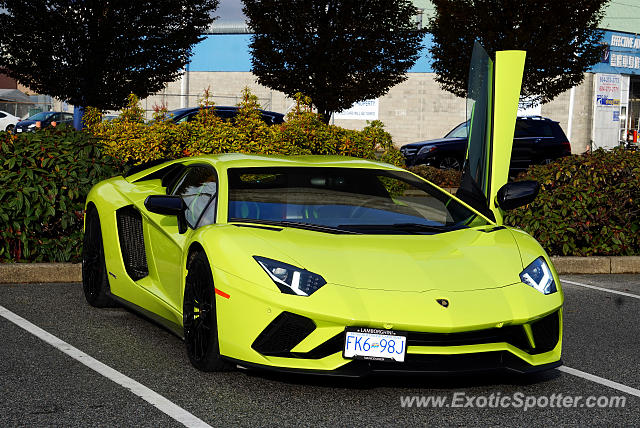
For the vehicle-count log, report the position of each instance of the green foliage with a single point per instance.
(439, 177)
(336, 52)
(130, 140)
(556, 60)
(44, 179)
(589, 205)
(95, 53)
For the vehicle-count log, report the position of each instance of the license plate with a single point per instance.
(19, 130)
(374, 344)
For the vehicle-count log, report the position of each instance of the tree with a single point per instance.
(97, 52)
(337, 52)
(561, 38)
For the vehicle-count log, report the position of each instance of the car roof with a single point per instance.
(241, 160)
(179, 111)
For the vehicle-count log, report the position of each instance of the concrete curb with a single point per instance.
(624, 264)
(15, 273)
(18, 273)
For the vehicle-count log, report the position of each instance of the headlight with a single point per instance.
(538, 275)
(426, 149)
(33, 125)
(291, 279)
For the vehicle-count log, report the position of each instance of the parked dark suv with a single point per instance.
(537, 140)
(227, 113)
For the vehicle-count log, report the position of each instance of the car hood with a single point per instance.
(438, 141)
(461, 260)
(25, 123)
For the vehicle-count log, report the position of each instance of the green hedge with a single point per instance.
(130, 139)
(44, 179)
(588, 205)
(439, 177)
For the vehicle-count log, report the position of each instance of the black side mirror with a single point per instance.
(517, 194)
(168, 205)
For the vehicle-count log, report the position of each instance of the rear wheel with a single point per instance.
(199, 316)
(9, 128)
(94, 271)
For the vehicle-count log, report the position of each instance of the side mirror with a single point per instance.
(517, 194)
(168, 205)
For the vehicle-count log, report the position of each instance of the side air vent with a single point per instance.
(283, 334)
(132, 242)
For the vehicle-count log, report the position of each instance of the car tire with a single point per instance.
(199, 316)
(9, 128)
(95, 282)
(450, 163)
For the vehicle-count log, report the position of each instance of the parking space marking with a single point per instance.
(158, 401)
(602, 381)
(635, 296)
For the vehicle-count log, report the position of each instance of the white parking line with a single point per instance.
(622, 293)
(602, 381)
(174, 411)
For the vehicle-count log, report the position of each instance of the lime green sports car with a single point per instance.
(334, 265)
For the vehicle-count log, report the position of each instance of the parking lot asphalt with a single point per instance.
(41, 386)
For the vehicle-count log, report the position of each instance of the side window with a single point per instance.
(2, 115)
(532, 129)
(198, 188)
(67, 116)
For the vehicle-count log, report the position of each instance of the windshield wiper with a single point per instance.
(406, 227)
(295, 224)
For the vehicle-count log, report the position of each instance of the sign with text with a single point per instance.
(363, 110)
(606, 114)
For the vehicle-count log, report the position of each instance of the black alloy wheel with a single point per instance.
(95, 282)
(199, 316)
(450, 163)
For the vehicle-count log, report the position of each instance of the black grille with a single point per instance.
(283, 334)
(514, 335)
(447, 364)
(546, 333)
(132, 242)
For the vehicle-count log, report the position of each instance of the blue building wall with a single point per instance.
(622, 54)
(230, 52)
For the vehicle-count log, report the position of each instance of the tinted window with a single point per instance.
(198, 187)
(532, 128)
(2, 115)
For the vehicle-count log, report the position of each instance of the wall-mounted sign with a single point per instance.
(606, 110)
(621, 54)
(363, 110)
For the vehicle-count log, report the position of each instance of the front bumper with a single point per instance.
(513, 328)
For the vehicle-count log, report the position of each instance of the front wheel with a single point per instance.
(450, 163)
(199, 317)
(9, 128)
(95, 282)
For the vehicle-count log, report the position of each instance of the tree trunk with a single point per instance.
(325, 114)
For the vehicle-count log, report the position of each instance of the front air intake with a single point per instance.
(283, 334)
(131, 239)
(546, 332)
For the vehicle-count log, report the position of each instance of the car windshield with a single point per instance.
(344, 200)
(459, 131)
(43, 115)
